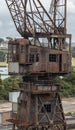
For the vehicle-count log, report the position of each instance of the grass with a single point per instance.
(3, 64)
(73, 61)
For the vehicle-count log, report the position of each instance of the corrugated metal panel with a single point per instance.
(13, 96)
(13, 67)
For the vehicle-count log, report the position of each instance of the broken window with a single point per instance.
(31, 58)
(34, 58)
(14, 49)
(37, 57)
(9, 48)
(22, 48)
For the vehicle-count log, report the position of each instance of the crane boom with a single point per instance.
(58, 14)
(31, 18)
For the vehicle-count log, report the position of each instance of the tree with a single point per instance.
(73, 51)
(9, 84)
(1, 40)
(67, 84)
(2, 56)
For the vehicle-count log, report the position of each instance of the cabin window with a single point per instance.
(46, 107)
(22, 48)
(9, 57)
(34, 57)
(52, 57)
(31, 58)
(14, 49)
(37, 57)
(9, 48)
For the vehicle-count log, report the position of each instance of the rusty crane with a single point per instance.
(43, 53)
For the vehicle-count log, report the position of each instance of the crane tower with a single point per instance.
(39, 57)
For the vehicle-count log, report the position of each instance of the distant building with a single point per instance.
(4, 45)
(4, 70)
(5, 113)
(4, 65)
(8, 109)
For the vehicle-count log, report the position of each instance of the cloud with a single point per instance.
(1, 23)
(71, 6)
(7, 27)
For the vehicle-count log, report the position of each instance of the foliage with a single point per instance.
(67, 84)
(73, 51)
(3, 51)
(9, 84)
(2, 56)
(1, 40)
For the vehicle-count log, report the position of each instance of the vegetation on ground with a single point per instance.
(67, 84)
(11, 83)
(8, 85)
(2, 56)
(73, 51)
(73, 61)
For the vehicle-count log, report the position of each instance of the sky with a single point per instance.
(7, 28)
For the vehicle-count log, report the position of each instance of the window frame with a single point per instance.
(52, 57)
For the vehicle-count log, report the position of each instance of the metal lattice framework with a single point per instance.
(33, 20)
(58, 14)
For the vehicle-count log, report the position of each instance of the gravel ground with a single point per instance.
(5, 127)
(68, 106)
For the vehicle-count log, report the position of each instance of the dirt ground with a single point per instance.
(68, 105)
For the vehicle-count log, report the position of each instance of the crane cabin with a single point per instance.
(23, 57)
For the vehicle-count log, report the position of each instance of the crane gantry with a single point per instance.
(29, 15)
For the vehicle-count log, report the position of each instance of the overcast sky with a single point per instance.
(7, 28)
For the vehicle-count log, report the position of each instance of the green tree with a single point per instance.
(1, 40)
(67, 84)
(2, 56)
(8, 85)
(73, 51)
